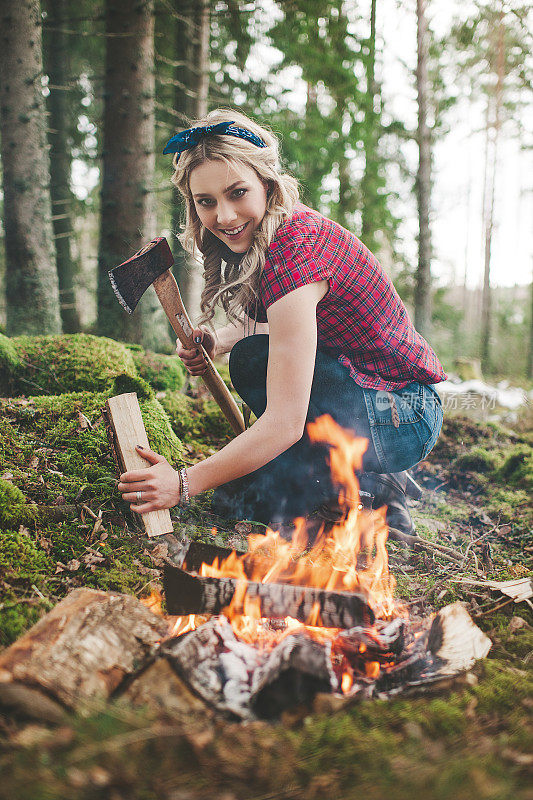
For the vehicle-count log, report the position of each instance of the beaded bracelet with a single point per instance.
(185, 496)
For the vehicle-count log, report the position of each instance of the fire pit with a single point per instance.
(291, 621)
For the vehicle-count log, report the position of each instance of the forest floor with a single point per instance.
(64, 526)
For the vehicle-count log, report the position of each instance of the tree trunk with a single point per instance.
(423, 182)
(32, 295)
(127, 206)
(369, 183)
(57, 65)
(185, 78)
(200, 76)
(201, 55)
(491, 170)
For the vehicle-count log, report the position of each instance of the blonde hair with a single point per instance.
(236, 287)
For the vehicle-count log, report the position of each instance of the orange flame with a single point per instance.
(352, 556)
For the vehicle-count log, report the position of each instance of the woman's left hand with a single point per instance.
(158, 484)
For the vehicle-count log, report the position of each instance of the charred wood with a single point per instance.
(190, 594)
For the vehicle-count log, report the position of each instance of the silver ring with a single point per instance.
(139, 496)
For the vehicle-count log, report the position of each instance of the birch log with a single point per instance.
(83, 649)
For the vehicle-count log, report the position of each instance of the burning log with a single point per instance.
(82, 649)
(245, 681)
(190, 594)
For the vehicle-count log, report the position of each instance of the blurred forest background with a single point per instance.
(91, 91)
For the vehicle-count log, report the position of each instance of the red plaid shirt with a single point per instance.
(362, 319)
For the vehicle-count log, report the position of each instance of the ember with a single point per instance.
(292, 620)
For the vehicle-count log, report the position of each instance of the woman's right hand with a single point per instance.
(194, 360)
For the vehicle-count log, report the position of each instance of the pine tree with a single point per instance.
(57, 63)
(423, 180)
(31, 278)
(127, 205)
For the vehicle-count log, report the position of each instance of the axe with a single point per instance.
(151, 266)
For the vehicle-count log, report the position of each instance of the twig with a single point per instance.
(424, 544)
(494, 608)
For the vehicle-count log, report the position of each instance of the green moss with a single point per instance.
(477, 459)
(196, 420)
(72, 461)
(9, 362)
(14, 510)
(57, 364)
(23, 565)
(161, 371)
(160, 433)
(517, 468)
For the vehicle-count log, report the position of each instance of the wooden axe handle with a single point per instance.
(169, 296)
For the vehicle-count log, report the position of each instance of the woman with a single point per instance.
(315, 326)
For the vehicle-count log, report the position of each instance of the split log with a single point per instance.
(127, 426)
(190, 594)
(84, 648)
(216, 665)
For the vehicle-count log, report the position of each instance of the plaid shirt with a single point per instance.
(362, 319)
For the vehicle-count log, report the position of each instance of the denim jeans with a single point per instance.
(401, 428)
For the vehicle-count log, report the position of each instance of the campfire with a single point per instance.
(254, 633)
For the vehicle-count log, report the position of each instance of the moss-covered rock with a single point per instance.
(58, 364)
(53, 452)
(161, 371)
(14, 510)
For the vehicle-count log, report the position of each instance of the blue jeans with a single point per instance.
(401, 428)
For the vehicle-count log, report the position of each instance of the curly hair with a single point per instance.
(234, 286)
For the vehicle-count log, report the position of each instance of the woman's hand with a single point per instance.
(194, 360)
(158, 484)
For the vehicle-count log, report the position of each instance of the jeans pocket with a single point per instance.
(405, 425)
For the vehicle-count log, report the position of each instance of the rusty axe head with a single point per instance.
(131, 279)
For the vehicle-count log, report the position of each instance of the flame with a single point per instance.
(350, 555)
(177, 626)
(346, 681)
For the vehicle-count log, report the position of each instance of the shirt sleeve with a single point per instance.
(291, 262)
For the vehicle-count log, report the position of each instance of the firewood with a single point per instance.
(128, 428)
(84, 647)
(190, 594)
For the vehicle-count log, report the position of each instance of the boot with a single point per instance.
(390, 489)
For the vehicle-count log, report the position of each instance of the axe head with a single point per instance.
(131, 279)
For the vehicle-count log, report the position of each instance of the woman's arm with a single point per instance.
(291, 362)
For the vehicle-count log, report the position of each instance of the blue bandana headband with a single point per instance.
(193, 136)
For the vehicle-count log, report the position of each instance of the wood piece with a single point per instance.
(190, 594)
(160, 689)
(216, 665)
(294, 672)
(128, 428)
(169, 296)
(189, 553)
(84, 647)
